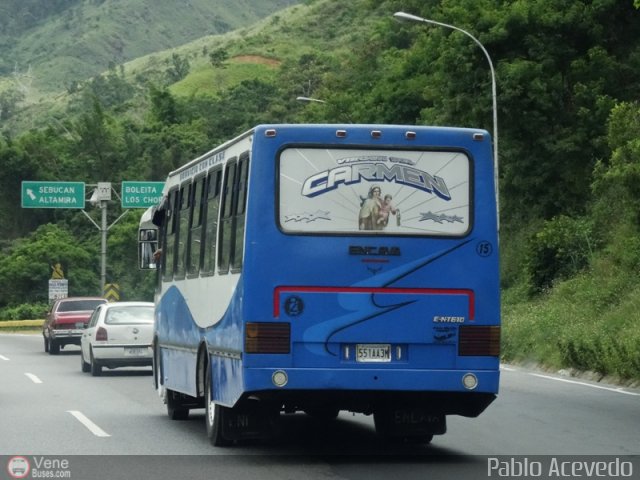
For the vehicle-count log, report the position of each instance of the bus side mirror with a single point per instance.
(148, 248)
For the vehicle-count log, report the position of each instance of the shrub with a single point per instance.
(26, 311)
(559, 250)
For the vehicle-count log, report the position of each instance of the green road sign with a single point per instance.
(141, 194)
(52, 194)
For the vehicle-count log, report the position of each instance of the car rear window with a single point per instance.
(79, 305)
(129, 316)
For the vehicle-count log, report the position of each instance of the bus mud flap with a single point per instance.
(408, 422)
(244, 422)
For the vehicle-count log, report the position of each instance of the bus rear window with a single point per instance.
(374, 192)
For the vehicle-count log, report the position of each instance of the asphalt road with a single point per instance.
(48, 407)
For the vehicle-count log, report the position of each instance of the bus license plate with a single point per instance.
(373, 352)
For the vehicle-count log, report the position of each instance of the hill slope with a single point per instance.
(44, 49)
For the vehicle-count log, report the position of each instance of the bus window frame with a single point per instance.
(170, 229)
(368, 233)
(225, 218)
(215, 173)
(193, 215)
(240, 186)
(180, 267)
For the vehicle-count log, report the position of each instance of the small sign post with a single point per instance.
(58, 288)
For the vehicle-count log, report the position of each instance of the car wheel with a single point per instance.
(54, 347)
(215, 417)
(95, 367)
(84, 366)
(46, 344)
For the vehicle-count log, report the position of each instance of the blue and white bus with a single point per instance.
(328, 268)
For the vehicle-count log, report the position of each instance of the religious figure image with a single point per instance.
(370, 210)
(387, 209)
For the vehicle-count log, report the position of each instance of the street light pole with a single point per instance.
(414, 18)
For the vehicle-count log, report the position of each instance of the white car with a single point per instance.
(118, 335)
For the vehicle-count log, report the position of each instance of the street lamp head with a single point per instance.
(309, 99)
(402, 16)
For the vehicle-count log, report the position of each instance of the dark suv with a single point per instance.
(66, 321)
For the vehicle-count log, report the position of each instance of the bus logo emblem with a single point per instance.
(293, 306)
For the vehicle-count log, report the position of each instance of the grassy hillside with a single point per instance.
(255, 52)
(85, 38)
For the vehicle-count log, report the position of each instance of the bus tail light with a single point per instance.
(272, 337)
(479, 341)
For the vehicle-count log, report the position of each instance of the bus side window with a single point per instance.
(183, 230)
(195, 228)
(212, 209)
(170, 241)
(226, 223)
(240, 193)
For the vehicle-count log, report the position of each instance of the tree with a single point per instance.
(179, 68)
(616, 187)
(9, 101)
(163, 106)
(26, 268)
(218, 57)
(98, 149)
(20, 160)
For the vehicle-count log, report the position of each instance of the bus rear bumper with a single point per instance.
(442, 391)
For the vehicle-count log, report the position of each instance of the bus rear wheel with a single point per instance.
(175, 408)
(215, 417)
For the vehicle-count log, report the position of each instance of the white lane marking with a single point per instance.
(93, 428)
(2, 357)
(615, 390)
(507, 369)
(33, 378)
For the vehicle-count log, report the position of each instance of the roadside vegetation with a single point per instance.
(569, 146)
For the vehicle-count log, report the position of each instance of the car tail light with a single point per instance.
(274, 337)
(479, 341)
(101, 335)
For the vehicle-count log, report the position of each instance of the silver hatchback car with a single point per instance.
(118, 335)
